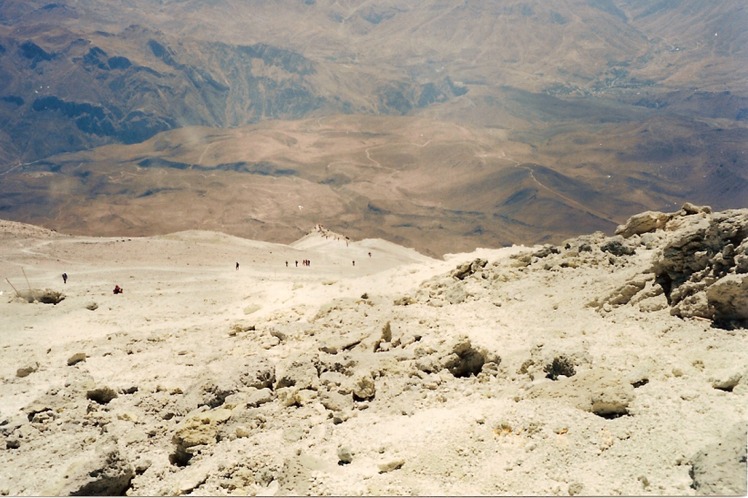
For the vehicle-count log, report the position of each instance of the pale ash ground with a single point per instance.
(353, 410)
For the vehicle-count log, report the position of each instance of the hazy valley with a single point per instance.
(442, 126)
(252, 178)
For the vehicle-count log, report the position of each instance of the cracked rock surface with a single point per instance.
(604, 365)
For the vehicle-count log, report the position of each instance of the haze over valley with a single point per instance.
(442, 126)
(351, 247)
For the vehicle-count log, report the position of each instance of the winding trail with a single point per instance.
(570, 201)
(368, 156)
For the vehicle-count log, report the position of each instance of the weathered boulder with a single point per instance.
(728, 298)
(27, 370)
(335, 401)
(720, 469)
(99, 471)
(195, 432)
(345, 455)
(689, 209)
(465, 360)
(546, 251)
(364, 388)
(617, 246)
(625, 293)
(601, 392)
(76, 358)
(727, 381)
(460, 358)
(702, 269)
(257, 397)
(299, 373)
(391, 465)
(645, 222)
(468, 268)
(292, 396)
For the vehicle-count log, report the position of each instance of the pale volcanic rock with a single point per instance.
(648, 221)
(604, 365)
(99, 470)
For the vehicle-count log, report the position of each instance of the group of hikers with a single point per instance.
(306, 262)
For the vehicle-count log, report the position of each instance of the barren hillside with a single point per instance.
(546, 370)
(438, 125)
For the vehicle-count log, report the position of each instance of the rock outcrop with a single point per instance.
(546, 370)
(104, 471)
(702, 267)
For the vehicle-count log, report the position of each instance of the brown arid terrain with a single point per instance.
(435, 186)
(442, 126)
(373, 247)
(603, 365)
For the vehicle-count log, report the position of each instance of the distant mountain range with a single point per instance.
(553, 118)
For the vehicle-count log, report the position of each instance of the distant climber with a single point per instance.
(237, 265)
(118, 289)
(64, 278)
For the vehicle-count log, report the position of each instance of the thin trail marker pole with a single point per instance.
(27, 278)
(14, 287)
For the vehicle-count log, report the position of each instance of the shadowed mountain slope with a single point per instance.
(426, 184)
(618, 105)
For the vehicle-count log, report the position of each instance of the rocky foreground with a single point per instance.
(602, 366)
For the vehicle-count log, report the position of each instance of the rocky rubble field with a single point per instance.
(606, 365)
